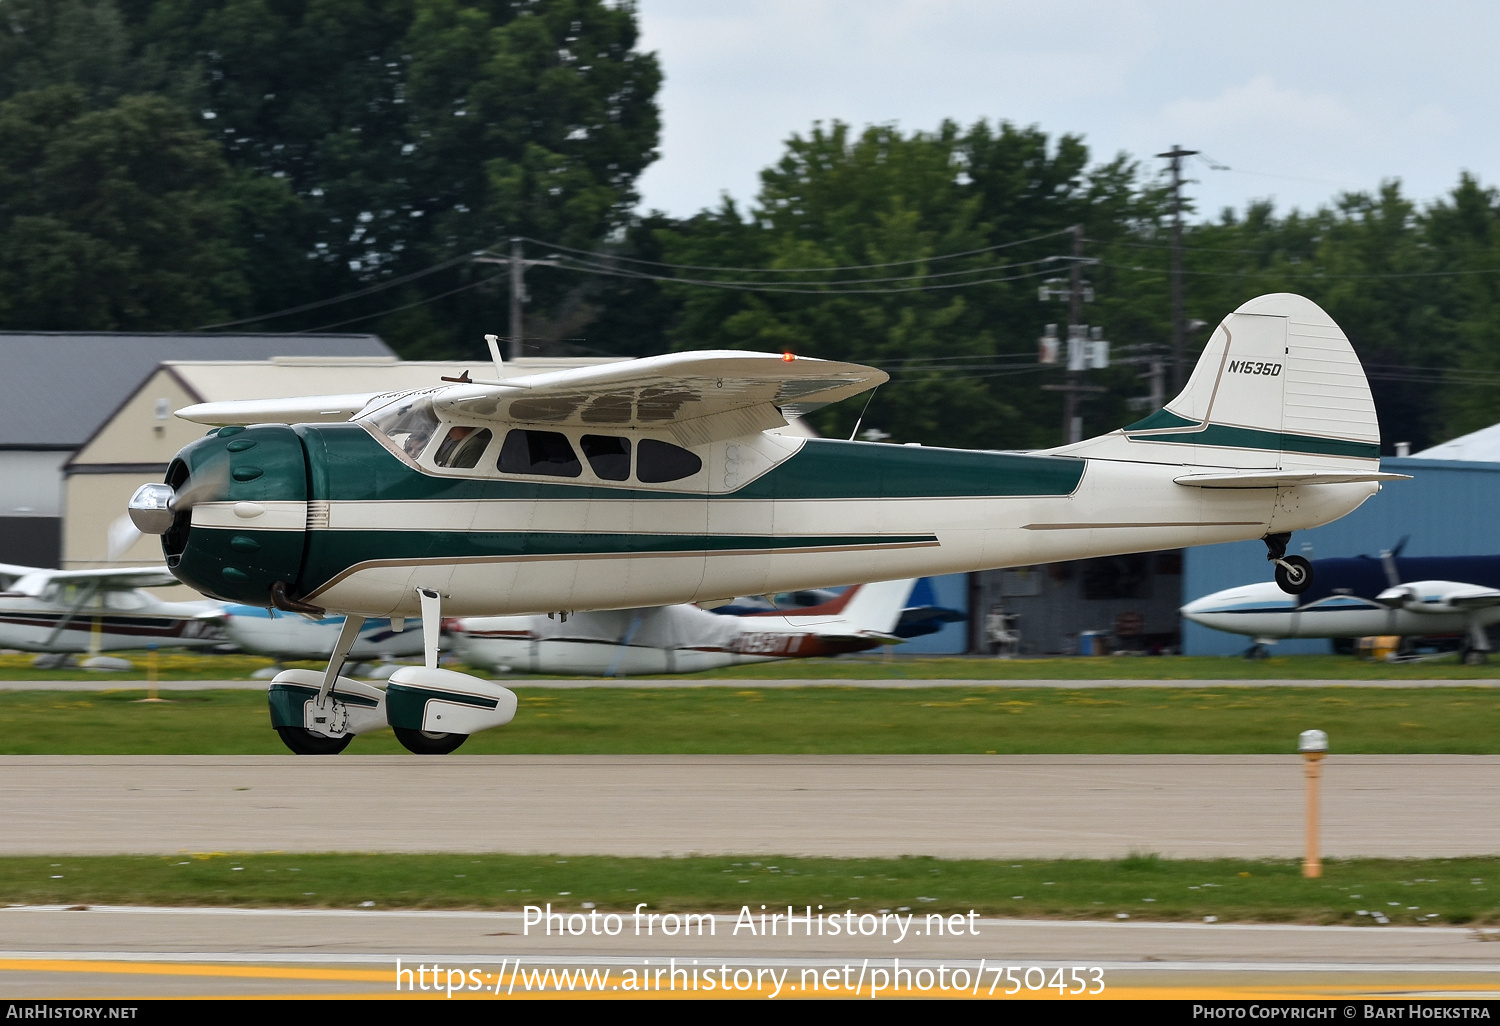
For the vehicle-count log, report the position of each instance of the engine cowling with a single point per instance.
(232, 513)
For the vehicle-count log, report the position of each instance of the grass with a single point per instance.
(1414, 891)
(186, 665)
(827, 720)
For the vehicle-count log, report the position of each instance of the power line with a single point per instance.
(705, 283)
(628, 272)
(1314, 275)
(801, 270)
(407, 306)
(371, 290)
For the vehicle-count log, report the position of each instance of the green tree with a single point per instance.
(958, 333)
(414, 131)
(112, 218)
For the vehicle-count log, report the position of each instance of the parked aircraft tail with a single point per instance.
(1278, 389)
(877, 607)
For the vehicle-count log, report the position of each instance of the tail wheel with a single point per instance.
(1473, 657)
(1294, 575)
(306, 742)
(427, 742)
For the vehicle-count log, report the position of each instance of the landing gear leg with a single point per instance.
(303, 741)
(1478, 649)
(1294, 574)
(428, 742)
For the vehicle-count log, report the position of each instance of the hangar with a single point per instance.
(58, 387)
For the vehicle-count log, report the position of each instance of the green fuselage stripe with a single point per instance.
(1275, 441)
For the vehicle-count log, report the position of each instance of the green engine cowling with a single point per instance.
(241, 523)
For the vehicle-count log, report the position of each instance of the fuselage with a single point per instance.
(111, 621)
(339, 516)
(1342, 602)
(629, 642)
(284, 635)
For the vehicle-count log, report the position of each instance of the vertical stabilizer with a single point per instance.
(1279, 387)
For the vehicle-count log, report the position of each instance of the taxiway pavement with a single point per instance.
(981, 806)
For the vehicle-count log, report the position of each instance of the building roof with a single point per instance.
(1482, 446)
(56, 388)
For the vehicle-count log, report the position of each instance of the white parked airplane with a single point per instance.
(282, 635)
(668, 480)
(680, 638)
(1363, 597)
(93, 611)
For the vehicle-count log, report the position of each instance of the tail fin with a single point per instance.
(877, 607)
(1277, 387)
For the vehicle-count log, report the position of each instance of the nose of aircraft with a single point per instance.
(232, 513)
(1229, 610)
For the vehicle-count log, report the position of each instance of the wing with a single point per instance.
(698, 397)
(122, 579)
(309, 409)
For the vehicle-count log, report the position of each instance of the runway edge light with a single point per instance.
(1313, 744)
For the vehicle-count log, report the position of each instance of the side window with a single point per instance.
(462, 448)
(656, 462)
(538, 452)
(608, 456)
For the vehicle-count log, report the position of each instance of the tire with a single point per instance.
(1473, 657)
(425, 742)
(304, 742)
(1295, 577)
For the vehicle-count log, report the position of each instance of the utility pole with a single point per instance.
(518, 294)
(1081, 354)
(1175, 155)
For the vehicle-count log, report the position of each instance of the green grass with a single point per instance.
(1443, 891)
(197, 666)
(829, 720)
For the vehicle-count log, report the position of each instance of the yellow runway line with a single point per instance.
(261, 972)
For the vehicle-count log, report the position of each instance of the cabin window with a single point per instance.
(410, 423)
(656, 462)
(608, 456)
(462, 448)
(539, 452)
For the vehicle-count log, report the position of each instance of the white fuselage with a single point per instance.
(1265, 611)
(112, 621)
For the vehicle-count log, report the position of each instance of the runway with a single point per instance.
(170, 952)
(1097, 806)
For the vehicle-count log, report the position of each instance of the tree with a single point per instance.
(907, 227)
(111, 219)
(412, 132)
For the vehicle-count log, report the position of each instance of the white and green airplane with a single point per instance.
(669, 479)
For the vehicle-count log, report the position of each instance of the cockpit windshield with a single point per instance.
(409, 423)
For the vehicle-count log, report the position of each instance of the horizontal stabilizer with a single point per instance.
(1284, 478)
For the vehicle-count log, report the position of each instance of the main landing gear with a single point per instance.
(432, 711)
(1294, 574)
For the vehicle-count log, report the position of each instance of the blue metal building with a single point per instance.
(1449, 508)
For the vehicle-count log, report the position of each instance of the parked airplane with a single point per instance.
(1405, 596)
(666, 480)
(72, 611)
(921, 616)
(283, 635)
(680, 638)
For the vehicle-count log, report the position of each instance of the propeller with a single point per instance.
(121, 535)
(206, 484)
(154, 507)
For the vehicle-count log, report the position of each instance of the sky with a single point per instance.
(1300, 100)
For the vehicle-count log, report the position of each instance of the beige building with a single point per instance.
(138, 441)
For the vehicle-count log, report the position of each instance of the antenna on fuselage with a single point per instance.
(493, 341)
